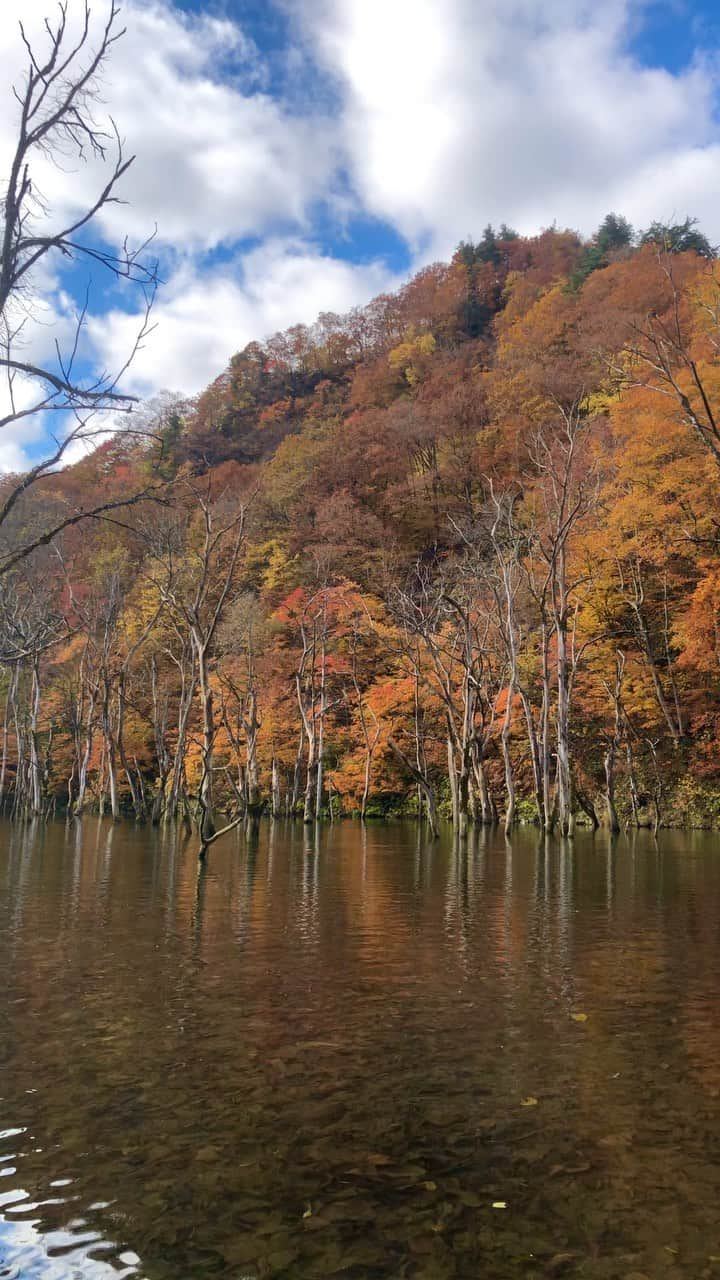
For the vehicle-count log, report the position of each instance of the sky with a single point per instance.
(299, 156)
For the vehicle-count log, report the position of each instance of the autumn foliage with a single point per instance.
(457, 551)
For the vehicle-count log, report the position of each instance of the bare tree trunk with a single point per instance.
(632, 782)
(309, 726)
(19, 788)
(423, 784)
(85, 762)
(11, 691)
(505, 740)
(133, 780)
(564, 777)
(321, 726)
(587, 806)
(453, 780)
(609, 765)
(252, 780)
(177, 796)
(614, 745)
(101, 781)
(420, 761)
(307, 714)
(534, 755)
(309, 811)
(206, 825)
(162, 755)
(35, 764)
(20, 796)
(366, 784)
(548, 806)
(658, 788)
(275, 803)
(486, 807)
(297, 770)
(110, 754)
(47, 771)
(370, 742)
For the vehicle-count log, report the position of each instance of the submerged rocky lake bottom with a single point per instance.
(358, 1053)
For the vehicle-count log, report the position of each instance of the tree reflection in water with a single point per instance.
(310, 1055)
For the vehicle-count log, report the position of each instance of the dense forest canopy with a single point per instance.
(457, 551)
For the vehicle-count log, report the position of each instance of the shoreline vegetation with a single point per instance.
(456, 553)
(690, 809)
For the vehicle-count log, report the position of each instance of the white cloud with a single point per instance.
(455, 113)
(204, 316)
(217, 159)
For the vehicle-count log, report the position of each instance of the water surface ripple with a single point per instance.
(358, 1054)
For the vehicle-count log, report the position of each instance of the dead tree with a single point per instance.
(446, 643)
(614, 744)
(30, 625)
(507, 555)
(240, 638)
(57, 122)
(196, 562)
(566, 486)
(369, 723)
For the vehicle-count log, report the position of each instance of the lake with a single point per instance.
(358, 1053)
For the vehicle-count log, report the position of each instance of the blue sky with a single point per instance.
(303, 155)
(670, 32)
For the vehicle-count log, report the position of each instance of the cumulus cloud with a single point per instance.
(455, 113)
(217, 158)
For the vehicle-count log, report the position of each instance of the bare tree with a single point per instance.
(241, 636)
(310, 689)
(567, 487)
(196, 562)
(369, 723)
(58, 102)
(444, 621)
(29, 626)
(614, 692)
(506, 581)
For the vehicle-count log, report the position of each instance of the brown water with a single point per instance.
(333, 1055)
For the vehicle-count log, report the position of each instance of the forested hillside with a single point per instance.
(458, 550)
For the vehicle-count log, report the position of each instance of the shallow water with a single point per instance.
(338, 1053)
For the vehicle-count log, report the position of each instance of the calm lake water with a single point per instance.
(340, 1053)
